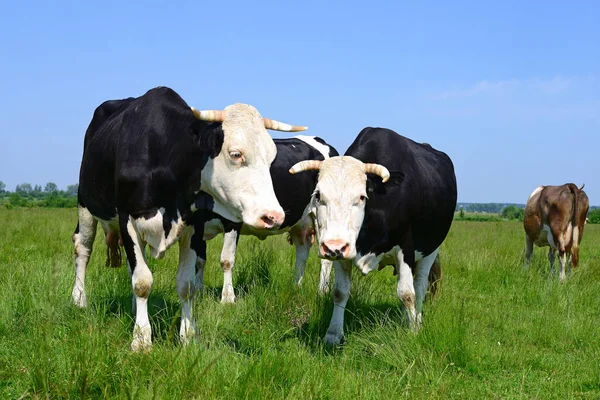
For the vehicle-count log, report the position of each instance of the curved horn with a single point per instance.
(280, 126)
(582, 186)
(379, 170)
(306, 165)
(209, 115)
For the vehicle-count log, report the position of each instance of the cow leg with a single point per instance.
(83, 241)
(341, 292)
(325, 276)
(551, 257)
(141, 282)
(230, 240)
(405, 289)
(421, 281)
(186, 287)
(528, 251)
(302, 250)
(562, 259)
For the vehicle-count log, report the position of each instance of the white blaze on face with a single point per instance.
(338, 205)
(238, 178)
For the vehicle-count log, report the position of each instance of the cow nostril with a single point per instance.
(344, 248)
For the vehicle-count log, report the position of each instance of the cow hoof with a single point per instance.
(140, 344)
(415, 326)
(187, 338)
(332, 339)
(79, 298)
(323, 290)
(228, 298)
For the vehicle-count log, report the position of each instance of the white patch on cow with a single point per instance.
(576, 236)
(83, 242)
(406, 289)
(325, 276)
(186, 285)
(241, 186)
(227, 263)
(310, 140)
(536, 191)
(141, 281)
(152, 232)
(212, 228)
(371, 261)
(545, 237)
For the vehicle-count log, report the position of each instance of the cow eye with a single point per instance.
(236, 155)
(363, 198)
(318, 196)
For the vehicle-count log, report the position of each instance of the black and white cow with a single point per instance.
(293, 193)
(144, 162)
(399, 217)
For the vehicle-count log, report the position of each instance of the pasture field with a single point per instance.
(493, 331)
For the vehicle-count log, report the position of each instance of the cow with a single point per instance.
(293, 193)
(145, 161)
(387, 201)
(555, 216)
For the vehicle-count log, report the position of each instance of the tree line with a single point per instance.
(27, 195)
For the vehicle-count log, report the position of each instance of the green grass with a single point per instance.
(494, 330)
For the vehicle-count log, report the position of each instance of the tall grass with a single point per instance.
(494, 330)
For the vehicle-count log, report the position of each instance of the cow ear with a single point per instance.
(208, 136)
(377, 186)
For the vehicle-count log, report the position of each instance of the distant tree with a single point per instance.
(50, 187)
(24, 189)
(37, 191)
(72, 190)
(512, 212)
(2, 187)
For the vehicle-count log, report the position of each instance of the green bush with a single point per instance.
(594, 216)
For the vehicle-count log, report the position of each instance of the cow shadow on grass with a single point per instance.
(163, 311)
(359, 316)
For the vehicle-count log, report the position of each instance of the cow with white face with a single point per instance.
(387, 201)
(144, 162)
(293, 193)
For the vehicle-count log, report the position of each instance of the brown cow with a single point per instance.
(555, 216)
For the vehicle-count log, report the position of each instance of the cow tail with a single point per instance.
(575, 238)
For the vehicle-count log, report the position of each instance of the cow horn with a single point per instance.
(582, 186)
(379, 170)
(209, 115)
(280, 126)
(306, 165)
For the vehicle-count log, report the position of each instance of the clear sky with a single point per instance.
(509, 90)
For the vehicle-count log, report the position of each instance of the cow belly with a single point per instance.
(151, 231)
(370, 261)
(545, 237)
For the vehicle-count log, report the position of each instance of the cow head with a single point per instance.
(238, 177)
(338, 202)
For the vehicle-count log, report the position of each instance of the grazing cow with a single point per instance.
(144, 161)
(293, 193)
(555, 216)
(366, 215)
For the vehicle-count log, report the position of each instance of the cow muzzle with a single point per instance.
(335, 249)
(270, 220)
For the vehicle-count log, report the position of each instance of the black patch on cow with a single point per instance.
(414, 209)
(142, 154)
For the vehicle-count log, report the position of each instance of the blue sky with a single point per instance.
(511, 91)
